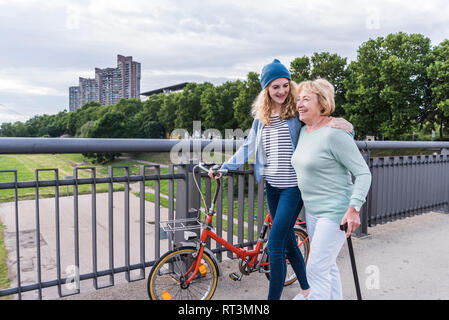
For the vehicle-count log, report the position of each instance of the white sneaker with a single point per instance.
(302, 295)
(299, 296)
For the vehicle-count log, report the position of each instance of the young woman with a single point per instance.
(322, 160)
(272, 139)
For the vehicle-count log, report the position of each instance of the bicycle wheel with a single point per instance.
(304, 246)
(168, 276)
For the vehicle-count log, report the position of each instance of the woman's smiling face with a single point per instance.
(279, 89)
(308, 106)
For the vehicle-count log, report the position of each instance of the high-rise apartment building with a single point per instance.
(109, 85)
(130, 73)
(74, 98)
(88, 90)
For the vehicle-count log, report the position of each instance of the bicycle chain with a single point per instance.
(244, 268)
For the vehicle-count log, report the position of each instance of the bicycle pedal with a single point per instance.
(235, 276)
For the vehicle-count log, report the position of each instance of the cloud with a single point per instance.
(9, 117)
(38, 81)
(49, 44)
(9, 114)
(16, 86)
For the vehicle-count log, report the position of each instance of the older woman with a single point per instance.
(323, 160)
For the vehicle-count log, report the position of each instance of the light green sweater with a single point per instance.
(323, 161)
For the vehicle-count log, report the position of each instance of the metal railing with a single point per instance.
(103, 235)
(404, 186)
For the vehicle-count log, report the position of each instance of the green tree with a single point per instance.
(323, 65)
(300, 69)
(386, 86)
(217, 106)
(84, 130)
(147, 118)
(438, 72)
(167, 113)
(91, 111)
(189, 105)
(129, 107)
(249, 90)
(110, 125)
(152, 130)
(72, 123)
(210, 108)
(7, 130)
(151, 107)
(227, 94)
(364, 106)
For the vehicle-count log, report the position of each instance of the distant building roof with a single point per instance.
(175, 87)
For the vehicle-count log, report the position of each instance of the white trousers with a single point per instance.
(322, 272)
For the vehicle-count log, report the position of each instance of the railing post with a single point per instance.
(365, 210)
(182, 199)
(194, 195)
(187, 198)
(194, 201)
(445, 154)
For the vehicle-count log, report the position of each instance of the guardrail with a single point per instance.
(125, 237)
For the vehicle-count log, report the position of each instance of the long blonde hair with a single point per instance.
(262, 105)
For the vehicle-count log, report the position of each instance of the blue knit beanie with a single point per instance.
(273, 71)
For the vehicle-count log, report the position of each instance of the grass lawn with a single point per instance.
(4, 279)
(65, 163)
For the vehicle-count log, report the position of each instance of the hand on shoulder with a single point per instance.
(340, 123)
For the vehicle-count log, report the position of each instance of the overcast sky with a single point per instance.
(47, 45)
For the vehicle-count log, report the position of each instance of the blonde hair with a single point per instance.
(262, 105)
(325, 92)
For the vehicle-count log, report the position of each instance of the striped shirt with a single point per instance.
(277, 145)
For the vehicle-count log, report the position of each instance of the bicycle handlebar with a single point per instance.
(214, 167)
(216, 172)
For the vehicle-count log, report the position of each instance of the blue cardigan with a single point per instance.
(253, 146)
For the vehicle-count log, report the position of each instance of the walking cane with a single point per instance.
(354, 267)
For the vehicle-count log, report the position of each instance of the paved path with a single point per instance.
(405, 259)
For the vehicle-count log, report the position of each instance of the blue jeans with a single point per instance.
(284, 205)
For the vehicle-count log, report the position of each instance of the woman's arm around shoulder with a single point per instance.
(343, 124)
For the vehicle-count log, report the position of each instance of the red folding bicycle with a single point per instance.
(191, 272)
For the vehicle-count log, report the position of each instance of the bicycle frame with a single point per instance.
(241, 253)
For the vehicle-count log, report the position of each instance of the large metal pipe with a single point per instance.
(90, 145)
